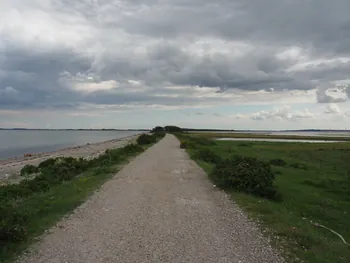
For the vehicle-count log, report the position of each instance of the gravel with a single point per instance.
(161, 207)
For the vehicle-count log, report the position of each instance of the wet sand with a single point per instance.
(10, 168)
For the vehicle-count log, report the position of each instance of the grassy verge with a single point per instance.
(314, 183)
(272, 136)
(28, 209)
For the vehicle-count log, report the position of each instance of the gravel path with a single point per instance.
(158, 208)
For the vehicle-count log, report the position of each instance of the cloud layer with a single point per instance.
(59, 54)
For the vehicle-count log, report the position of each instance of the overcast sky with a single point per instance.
(272, 64)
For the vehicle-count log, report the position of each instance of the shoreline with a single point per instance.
(10, 168)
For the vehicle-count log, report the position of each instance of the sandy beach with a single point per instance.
(10, 168)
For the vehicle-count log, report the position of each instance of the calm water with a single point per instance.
(17, 143)
(293, 133)
(273, 140)
(299, 133)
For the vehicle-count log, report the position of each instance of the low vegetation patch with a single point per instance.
(207, 155)
(28, 170)
(245, 144)
(199, 141)
(60, 184)
(245, 174)
(132, 148)
(193, 142)
(184, 144)
(278, 162)
(145, 139)
(298, 166)
(314, 184)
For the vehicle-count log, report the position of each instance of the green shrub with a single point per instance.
(146, 139)
(159, 134)
(278, 162)
(46, 163)
(245, 174)
(208, 156)
(12, 224)
(28, 169)
(158, 129)
(64, 168)
(132, 148)
(172, 129)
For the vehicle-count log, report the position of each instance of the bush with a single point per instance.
(245, 174)
(146, 139)
(28, 169)
(208, 156)
(171, 129)
(12, 224)
(46, 163)
(158, 129)
(132, 148)
(159, 134)
(278, 162)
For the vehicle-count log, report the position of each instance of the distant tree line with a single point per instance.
(172, 128)
(169, 128)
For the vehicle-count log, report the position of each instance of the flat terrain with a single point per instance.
(314, 182)
(161, 207)
(324, 137)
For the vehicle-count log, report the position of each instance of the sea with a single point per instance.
(16, 143)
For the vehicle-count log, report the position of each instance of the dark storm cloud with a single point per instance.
(321, 23)
(167, 63)
(157, 43)
(34, 75)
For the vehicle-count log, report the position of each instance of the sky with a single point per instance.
(229, 64)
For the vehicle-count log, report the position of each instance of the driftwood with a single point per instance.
(336, 233)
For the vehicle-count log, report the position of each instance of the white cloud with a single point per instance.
(331, 94)
(332, 108)
(303, 114)
(294, 53)
(278, 113)
(86, 83)
(92, 87)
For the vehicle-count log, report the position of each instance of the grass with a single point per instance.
(46, 208)
(268, 136)
(315, 186)
(43, 209)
